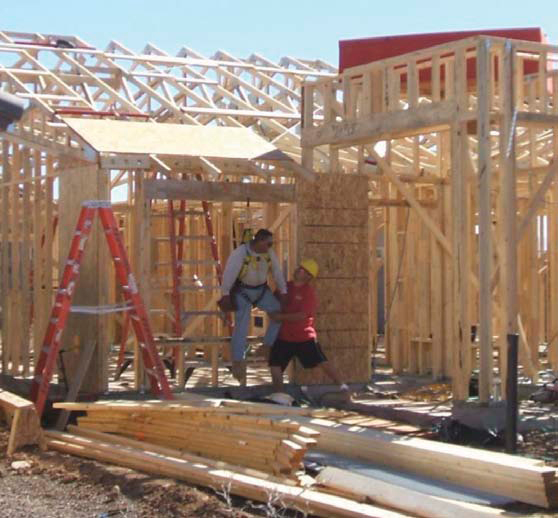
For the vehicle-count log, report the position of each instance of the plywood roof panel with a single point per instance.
(129, 137)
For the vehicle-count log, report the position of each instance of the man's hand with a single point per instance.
(225, 303)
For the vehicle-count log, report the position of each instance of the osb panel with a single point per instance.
(332, 228)
(342, 295)
(334, 192)
(352, 338)
(333, 217)
(333, 235)
(346, 260)
(341, 321)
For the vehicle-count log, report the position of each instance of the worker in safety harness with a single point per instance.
(245, 286)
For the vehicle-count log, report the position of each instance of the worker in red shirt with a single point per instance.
(297, 335)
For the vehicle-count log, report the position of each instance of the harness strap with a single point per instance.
(250, 259)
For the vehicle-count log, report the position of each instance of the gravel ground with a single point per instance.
(54, 485)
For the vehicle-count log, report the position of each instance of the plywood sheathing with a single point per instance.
(332, 228)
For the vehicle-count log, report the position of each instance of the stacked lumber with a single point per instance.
(269, 444)
(22, 419)
(167, 462)
(415, 502)
(520, 478)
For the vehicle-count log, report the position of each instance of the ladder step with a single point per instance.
(101, 310)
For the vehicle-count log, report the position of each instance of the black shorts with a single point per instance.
(309, 354)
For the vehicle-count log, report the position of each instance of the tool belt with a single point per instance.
(228, 304)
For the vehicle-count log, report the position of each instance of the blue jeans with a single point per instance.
(244, 298)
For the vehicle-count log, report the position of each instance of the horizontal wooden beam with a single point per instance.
(393, 124)
(218, 191)
(546, 120)
(387, 202)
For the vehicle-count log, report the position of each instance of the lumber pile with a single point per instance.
(22, 419)
(415, 502)
(520, 478)
(235, 435)
(218, 475)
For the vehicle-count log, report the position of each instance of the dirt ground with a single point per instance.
(53, 485)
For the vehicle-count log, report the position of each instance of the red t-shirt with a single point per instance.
(300, 299)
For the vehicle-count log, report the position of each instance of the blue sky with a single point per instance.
(306, 29)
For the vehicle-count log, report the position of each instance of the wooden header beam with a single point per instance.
(218, 191)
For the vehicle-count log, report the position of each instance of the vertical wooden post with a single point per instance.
(6, 255)
(26, 262)
(141, 262)
(14, 303)
(307, 122)
(39, 224)
(460, 184)
(79, 183)
(509, 197)
(485, 220)
(509, 235)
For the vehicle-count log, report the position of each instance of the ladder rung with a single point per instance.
(101, 310)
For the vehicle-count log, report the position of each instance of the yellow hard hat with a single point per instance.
(310, 266)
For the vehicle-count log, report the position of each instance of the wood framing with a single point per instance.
(478, 144)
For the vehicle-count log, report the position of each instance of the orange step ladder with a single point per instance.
(62, 305)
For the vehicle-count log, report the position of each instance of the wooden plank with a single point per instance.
(26, 265)
(485, 220)
(6, 259)
(522, 479)
(423, 119)
(39, 224)
(14, 310)
(508, 260)
(415, 502)
(240, 484)
(25, 427)
(218, 191)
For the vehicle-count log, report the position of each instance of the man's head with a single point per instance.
(306, 271)
(262, 242)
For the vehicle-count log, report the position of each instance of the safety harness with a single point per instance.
(251, 261)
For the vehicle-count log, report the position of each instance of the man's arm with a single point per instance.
(232, 269)
(277, 273)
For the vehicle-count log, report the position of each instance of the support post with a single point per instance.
(485, 220)
(509, 234)
(511, 394)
